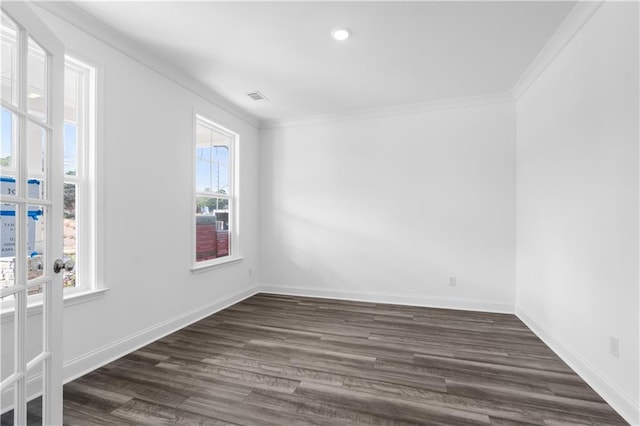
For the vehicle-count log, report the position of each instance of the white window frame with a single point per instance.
(90, 286)
(86, 210)
(234, 240)
(85, 180)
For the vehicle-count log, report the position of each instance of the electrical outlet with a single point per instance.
(452, 281)
(614, 346)
(250, 272)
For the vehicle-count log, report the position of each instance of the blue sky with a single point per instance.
(211, 164)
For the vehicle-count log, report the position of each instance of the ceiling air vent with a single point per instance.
(257, 96)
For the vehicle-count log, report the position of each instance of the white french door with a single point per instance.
(31, 162)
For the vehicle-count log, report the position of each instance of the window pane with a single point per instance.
(9, 63)
(35, 406)
(70, 248)
(36, 243)
(72, 81)
(36, 152)
(35, 239)
(36, 159)
(206, 239)
(70, 149)
(34, 328)
(8, 250)
(203, 170)
(212, 228)
(37, 81)
(8, 135)
(212, 161)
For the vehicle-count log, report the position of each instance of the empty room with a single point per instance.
(320, 213)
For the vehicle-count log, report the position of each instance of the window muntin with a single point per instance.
(214, 192)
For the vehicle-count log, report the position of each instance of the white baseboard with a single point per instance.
(616, 398)
(88, 362)
(482, 305)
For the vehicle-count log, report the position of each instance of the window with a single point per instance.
(214, 193)
(79, 145)
(79, 197)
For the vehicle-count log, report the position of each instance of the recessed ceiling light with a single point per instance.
(340, 34)
(33, 96)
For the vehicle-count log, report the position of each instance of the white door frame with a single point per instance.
(50, 359)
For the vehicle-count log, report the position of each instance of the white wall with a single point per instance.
(147, 212)
(389, 208)
(577, 204)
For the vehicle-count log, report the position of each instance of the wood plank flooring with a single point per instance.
(281, 360)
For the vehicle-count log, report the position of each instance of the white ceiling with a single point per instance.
(400, 52)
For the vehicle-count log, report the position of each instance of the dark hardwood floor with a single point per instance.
(280, 360)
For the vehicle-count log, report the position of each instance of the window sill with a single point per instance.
(215, 264)
(69, 300)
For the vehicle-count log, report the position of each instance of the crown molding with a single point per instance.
(87, 23)
(417, 108)
(74, 15)
(573, 23)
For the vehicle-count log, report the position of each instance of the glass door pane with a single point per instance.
(9, 64)
(37, 75)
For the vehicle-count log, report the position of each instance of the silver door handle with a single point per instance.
(59, 265)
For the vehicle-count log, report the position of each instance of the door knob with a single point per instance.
(59, 265)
